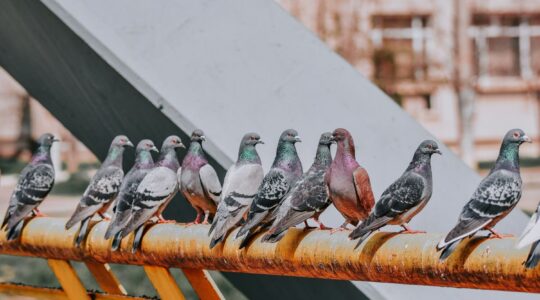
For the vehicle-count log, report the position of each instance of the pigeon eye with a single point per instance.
(430, 147)
(516, 134)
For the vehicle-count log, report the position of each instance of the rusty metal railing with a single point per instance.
(479, 262)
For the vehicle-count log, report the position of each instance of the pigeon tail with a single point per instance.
(82, 232)
(362, 239)
(448, 250)
(15, 231)
(273, 237)
(119, 221)
(137, 239)
(116, 241)
(252, 221)
(534, 256)
(216, 240)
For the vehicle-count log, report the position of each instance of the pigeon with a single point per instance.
(348, 183)
(494, 198)
(240, 186)
(102, 190)
(199, 182)
(404, 198)
(531, 235)
(122, 209)
(309, 196)
(285, 171)
(154, 192)
(35, 182)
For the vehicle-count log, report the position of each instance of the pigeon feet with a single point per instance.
(38, 213)
(321, 225)
(197, 220)
(104, 216)
(341, 228)
(495, 235)
(408, 230)
(162, 220)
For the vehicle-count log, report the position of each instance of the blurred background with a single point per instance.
(467, 70)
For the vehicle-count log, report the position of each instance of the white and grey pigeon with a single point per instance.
(154, 193)
(494, 198)
(239, 187)
(531, 235)
(199, 182)
(102, 190)
(128, 190)
(309, 196)
(285, 171)
(35, 182)
(404, 198)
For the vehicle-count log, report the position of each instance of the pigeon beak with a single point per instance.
(438, 151)
(259, 142)
(182, 145)
(56, 140)
(129, 144)
(203, 138)
(155, 149)
(297, 139)
(526, 138)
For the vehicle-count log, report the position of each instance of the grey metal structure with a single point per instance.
(149, 69)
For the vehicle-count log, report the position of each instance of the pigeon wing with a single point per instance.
(210, 182)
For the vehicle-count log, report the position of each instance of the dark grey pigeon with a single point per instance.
(102, 190)
(239, 188)
(404, 198)
(122, 209)
(285, 171)
(35, 182)
(199, 182)
(155, 191)
(494, 198)
(309, 196)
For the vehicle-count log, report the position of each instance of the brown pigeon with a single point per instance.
(348, 183)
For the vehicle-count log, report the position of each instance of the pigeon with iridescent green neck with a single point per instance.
(103, 188)
(199, 182)
(309, 196)
(494, 198)
(285, 171)
(128, 190)
(239, 188)
(35, 182)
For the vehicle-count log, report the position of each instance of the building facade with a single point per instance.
(416, 52)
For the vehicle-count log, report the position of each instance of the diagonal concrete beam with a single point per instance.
(148, 70)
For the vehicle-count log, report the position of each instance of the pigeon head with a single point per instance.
(516, 136)
(121, 141)
(46, 140)
(198, 136)
(428, 147)
(146, 145)
(345, 142)
(172, 142)
(327, 139)
(289, 136)
(247, 152)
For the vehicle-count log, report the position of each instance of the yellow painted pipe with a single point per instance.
(386, 257)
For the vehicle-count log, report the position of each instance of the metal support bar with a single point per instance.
(386, 257)
(52, 293)
(70, 282)
(105, 278)
(203, 284)
(164, 283)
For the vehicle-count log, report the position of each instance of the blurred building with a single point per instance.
(23, 120)
(416, 52)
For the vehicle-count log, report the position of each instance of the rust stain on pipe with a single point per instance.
(386, 257)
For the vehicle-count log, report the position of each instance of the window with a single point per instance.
(506, 46)
(400, 47)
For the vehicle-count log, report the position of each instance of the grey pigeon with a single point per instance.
(348, 183)
(155, 191)
(531, 235)
(102, 190)
(122, 209)
(404, 198)
(285, 171)
(199, 182)
(239, 188)
(309, 196)
(35, 182)
(494, 198)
